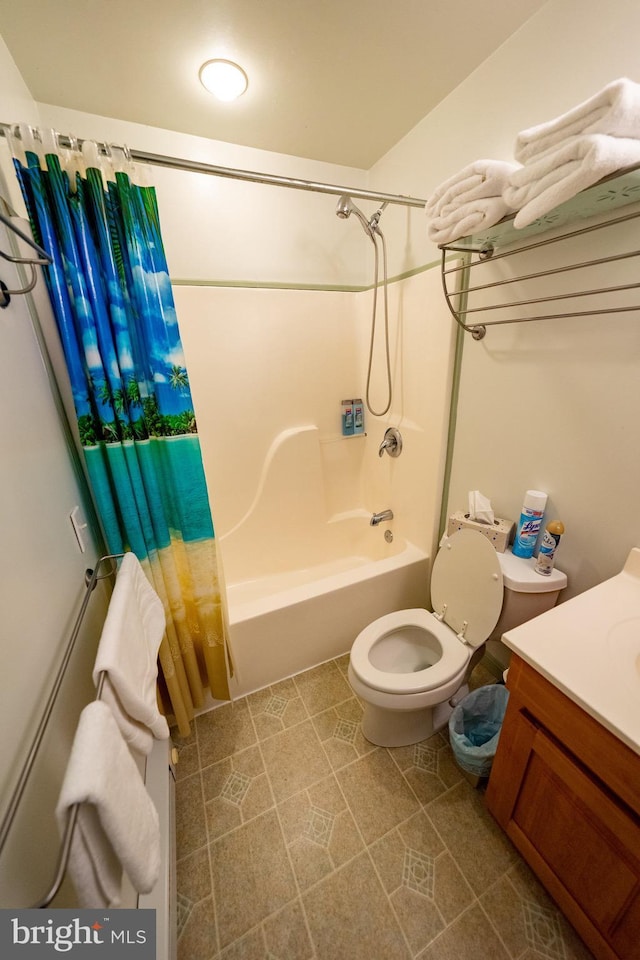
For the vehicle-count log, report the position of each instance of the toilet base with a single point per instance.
(401, 728)
(395, 728)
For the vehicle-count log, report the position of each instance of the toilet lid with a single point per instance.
(467, 578)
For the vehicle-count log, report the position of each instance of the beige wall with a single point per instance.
(551, 405)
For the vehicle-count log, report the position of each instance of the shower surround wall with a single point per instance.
(292, 497)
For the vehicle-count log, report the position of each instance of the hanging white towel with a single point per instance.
(456, 222)
(480, 179)
(614, 110)
(564, 171)
(117, 824)
(137, 735)
(128, 653)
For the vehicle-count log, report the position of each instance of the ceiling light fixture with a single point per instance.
(224, 79)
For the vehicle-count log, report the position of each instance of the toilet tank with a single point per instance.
(526, 593)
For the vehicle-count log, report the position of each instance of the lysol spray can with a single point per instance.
(529, 523)
(550, 541)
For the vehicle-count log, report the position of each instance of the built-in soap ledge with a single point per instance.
(333, 438)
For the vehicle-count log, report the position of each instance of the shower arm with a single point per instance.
(374, 220)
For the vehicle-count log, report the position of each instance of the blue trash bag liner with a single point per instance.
(474, 728)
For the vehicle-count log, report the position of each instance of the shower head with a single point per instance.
(346, 207)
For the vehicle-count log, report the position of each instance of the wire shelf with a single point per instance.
(475, 310)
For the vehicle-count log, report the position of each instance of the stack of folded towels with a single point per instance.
(575, 150)
(554, 161)
(469, 201)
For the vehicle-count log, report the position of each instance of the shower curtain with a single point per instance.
(111, 295)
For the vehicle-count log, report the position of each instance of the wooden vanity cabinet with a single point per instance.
(567, 793)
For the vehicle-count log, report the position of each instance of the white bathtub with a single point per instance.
(300, 585)
(286, 623)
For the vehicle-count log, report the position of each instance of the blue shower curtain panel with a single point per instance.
(111, 294)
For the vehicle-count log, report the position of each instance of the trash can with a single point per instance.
(474, 728)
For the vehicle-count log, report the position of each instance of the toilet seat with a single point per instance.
(452, 660)
(467, 593)
(467, 586)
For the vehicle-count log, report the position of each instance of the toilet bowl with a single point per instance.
(407, 665)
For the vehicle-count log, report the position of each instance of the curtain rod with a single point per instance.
(273, 180)
(252, 176)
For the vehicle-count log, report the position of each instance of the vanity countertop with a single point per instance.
(589, 648)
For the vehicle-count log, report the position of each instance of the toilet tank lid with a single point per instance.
(519, 575)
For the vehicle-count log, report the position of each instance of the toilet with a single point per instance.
(408, 665)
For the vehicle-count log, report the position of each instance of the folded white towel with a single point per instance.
(128, 652)
(117, 824)
(461, 221)
(564, 171)
(614, 110)
(482, 178)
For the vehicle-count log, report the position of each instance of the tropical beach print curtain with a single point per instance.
(111, 295)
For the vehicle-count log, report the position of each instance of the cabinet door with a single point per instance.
(588, 841)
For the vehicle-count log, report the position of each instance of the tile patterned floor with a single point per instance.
(299, 840)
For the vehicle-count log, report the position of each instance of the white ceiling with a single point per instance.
(334, 80)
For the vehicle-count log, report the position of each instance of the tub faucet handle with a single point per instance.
(392, 443)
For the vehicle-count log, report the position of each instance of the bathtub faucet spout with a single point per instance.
(379, 517)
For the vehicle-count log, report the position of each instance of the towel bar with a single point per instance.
(91, 579)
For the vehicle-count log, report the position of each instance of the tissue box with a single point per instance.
(499, 532)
